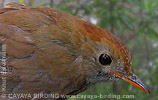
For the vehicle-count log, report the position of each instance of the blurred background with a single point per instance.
(135, 22)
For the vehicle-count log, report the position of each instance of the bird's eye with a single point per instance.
(104, 59)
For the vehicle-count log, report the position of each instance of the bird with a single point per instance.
(51, 51)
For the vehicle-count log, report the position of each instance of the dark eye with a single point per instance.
(104, 59)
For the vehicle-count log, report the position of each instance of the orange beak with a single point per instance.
(133, 80)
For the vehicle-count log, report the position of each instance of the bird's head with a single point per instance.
(107, 58)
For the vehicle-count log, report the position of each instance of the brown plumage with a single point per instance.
(50, 51)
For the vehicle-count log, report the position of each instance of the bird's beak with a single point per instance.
(133, 79)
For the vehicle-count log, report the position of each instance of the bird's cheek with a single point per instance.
(105, 69)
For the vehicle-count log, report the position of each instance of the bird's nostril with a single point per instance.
(133, 77)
